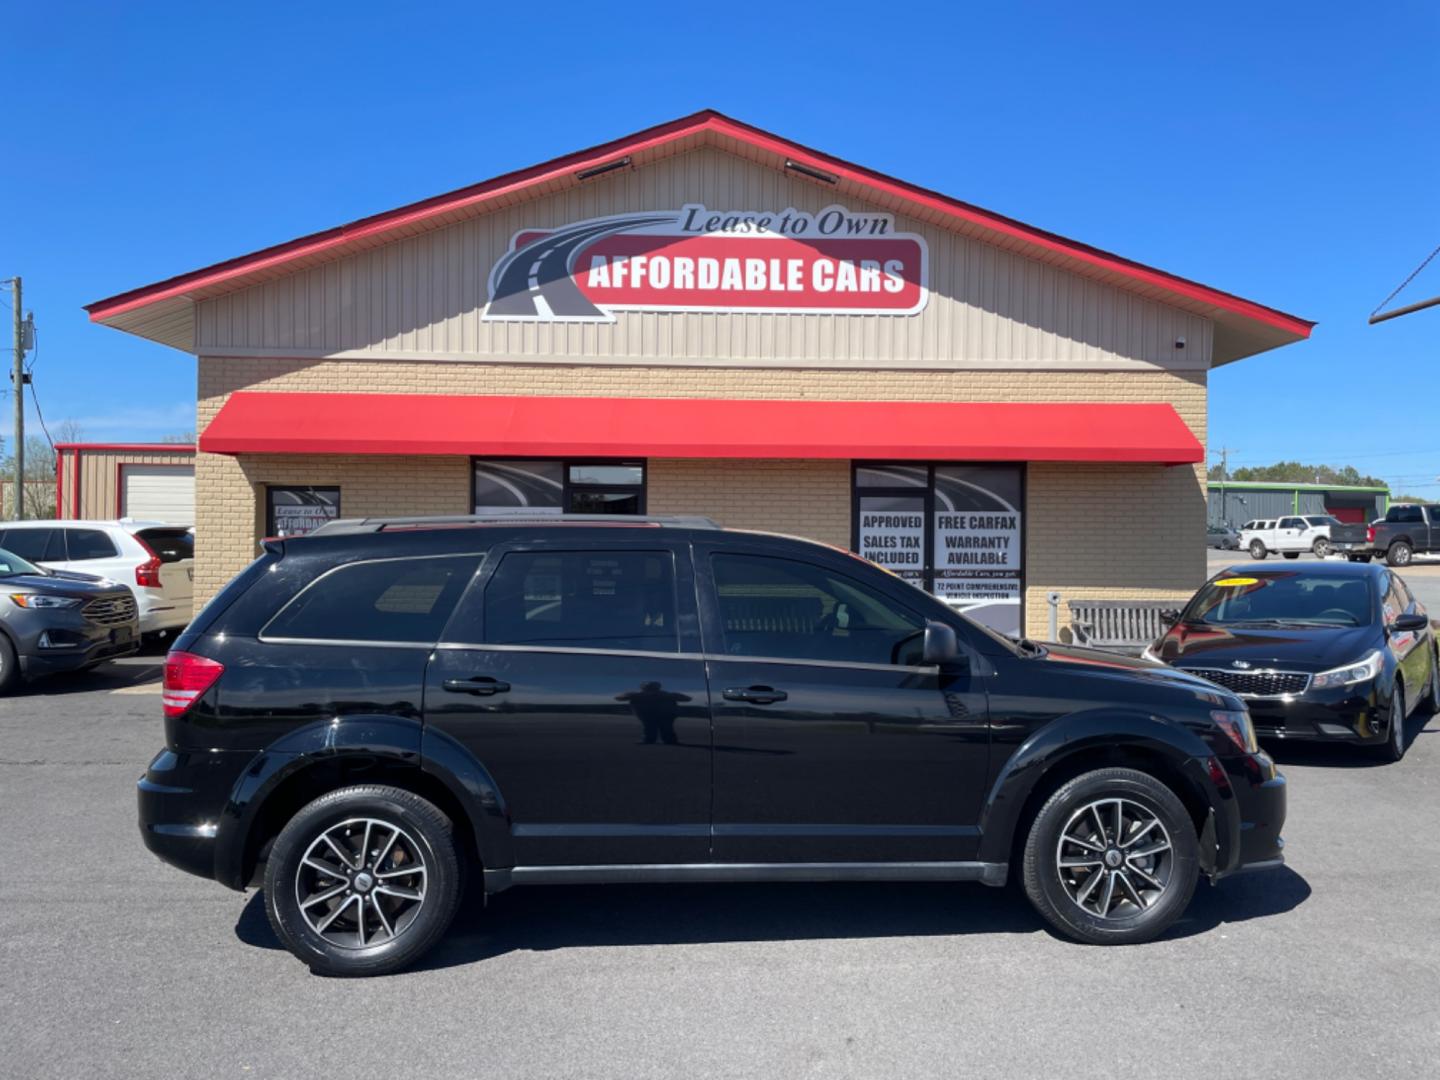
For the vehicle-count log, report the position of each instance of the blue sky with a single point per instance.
(1285, 152)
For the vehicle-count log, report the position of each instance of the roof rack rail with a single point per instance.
(354, 526)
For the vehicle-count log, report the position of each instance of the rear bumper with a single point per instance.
(1251, 816)
(180, 799)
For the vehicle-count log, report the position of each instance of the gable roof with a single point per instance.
(163, 311)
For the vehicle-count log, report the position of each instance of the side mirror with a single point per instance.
(1403, 624)
(941, 644)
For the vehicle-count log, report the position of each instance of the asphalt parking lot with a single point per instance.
(116, 965)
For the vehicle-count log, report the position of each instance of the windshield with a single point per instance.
(12, 564)
(1282, 598)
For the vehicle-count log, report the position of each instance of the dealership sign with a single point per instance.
(695, 259)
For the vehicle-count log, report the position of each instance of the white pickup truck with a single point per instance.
(1288, 535)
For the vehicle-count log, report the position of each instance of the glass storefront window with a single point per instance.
(547, 486)
(955, 530)
(295, 511)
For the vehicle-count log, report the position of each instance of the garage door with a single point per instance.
(158, 493)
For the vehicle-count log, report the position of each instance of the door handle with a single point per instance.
(756, 695)
(482, 685)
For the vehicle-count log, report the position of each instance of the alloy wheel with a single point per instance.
(1114, 858)
(361, 883)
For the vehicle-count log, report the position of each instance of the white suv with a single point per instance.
(156, 560)
(1288, 535)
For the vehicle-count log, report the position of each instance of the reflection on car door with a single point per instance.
(574, 677)
(832, 742)
(1413, 652)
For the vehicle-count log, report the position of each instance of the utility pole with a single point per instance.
(18, 380)
(1224, 477)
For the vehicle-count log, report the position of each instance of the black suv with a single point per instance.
(371, 713)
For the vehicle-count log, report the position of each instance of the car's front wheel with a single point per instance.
(9, 666)
(1393, 749)
(1257, 550)
(363, 880)
(1112, 858)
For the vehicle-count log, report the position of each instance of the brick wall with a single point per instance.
(1091, 531)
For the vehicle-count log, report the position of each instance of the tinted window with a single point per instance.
(782, 608)
(1434, 514)
(1404, 514)
(1291, 523)
(89, 544)
(171, 545)
(583, 599)
(1322, 521)
(392, 600)
(37, 545)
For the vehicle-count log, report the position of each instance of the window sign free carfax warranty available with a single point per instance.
(695, 259)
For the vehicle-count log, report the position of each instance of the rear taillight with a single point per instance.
(1370, 534)
(187, 676)
(147, 574)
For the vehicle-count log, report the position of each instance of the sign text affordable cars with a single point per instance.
(696, 259)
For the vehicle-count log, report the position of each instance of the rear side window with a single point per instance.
(37, 545)
(89, 544)
(623, 600)
(170, 545)
(393, 600)
(1400, 514)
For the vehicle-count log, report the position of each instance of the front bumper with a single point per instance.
(1352, 714)
(67, 641)
(181, 798)
(1252, 814)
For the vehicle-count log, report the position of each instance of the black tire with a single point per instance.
(1050, 893)
(438, 880)
(1321, 547)
(1292, 554)
(9, 666)
(1399, 554)
(1257, 550)
(1431, 701)
(1393, 748)
(1361, 558)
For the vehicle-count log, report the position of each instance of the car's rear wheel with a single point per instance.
(1257, 549)
(9, 666)
(1112, 858)
(363, 880)
(1400, 554)
(1321, 547)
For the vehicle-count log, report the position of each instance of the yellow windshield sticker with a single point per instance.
(1232, 582)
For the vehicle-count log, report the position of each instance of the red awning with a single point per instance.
(261, 423)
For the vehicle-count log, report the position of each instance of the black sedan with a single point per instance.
(1327, 651)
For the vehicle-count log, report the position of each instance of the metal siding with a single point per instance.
(423, 295)
(99, 471)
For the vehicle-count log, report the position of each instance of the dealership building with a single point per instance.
(705, 318)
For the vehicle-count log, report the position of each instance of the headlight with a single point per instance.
(42, 600)
(1236, 724)
(1361, 671)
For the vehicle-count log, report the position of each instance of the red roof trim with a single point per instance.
(136, 448)
(705, 120)
(282, 423)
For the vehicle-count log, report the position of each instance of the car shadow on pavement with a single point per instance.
(560, 917)
(112, 676)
